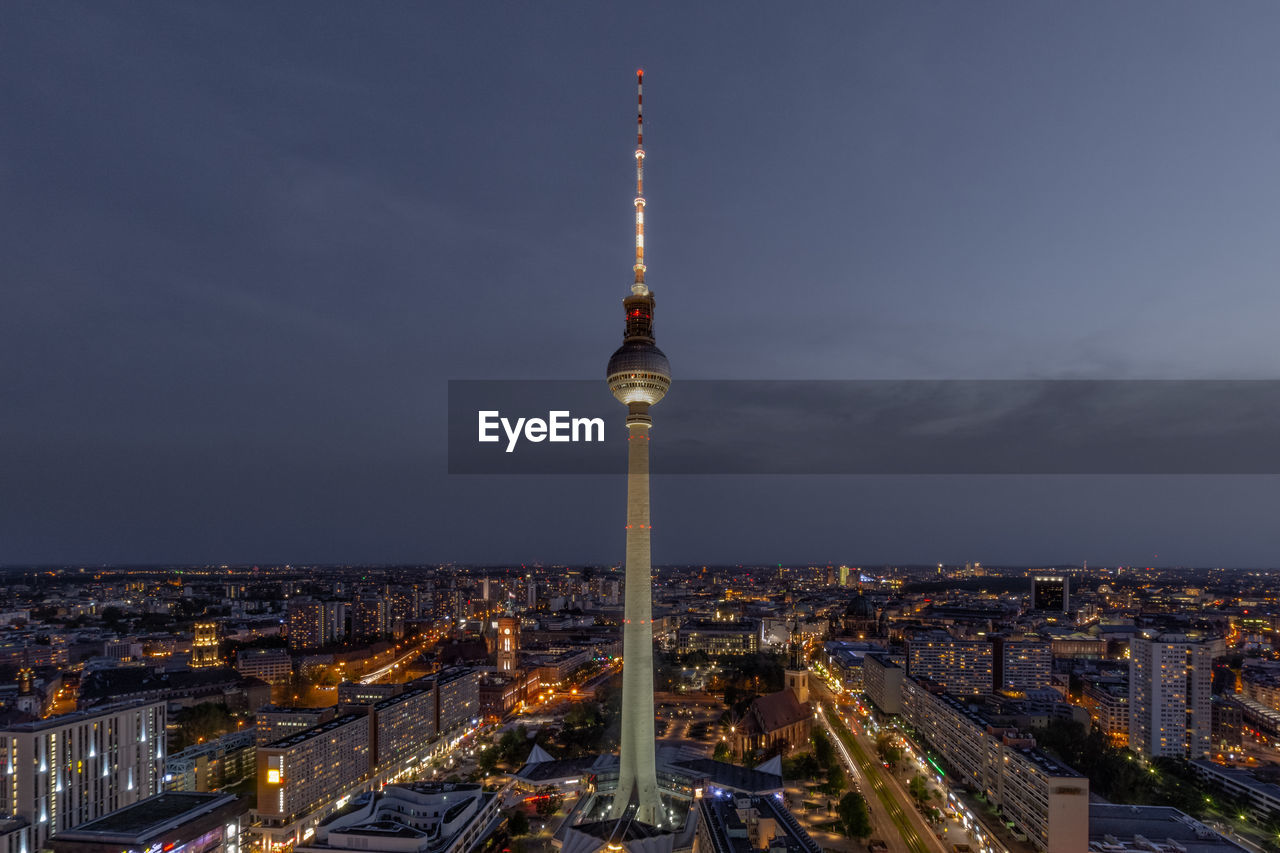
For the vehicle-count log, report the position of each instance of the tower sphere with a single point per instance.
(639, 373)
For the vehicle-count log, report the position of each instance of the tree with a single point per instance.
(112, 617)
(889, 751)
(517, 823)
(853, 815)
(919, 788)
(823, 750)
(802, 766)
(722, 752)
(836, 779)
(549, 802)
(202, 722)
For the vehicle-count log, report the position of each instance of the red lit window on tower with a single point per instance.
(639, 321)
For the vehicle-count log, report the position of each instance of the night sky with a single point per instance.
(243, 248)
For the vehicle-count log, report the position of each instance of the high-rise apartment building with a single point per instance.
(882, 681)
(66, 770)
(274, 723)
(312, 768)
(307, 625)
(1170, 704)
(458, 698)
(962, 667)
(405, 726)
(369, 618)
(1046, 800)
(1021, 665)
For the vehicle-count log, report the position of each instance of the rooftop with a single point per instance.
(1116, 828)
(315, 731)
(151, 815)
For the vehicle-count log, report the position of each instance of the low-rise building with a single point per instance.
(173, 822)
(422, 817)
(273, 666)
(744, 824)
(212, 766)
(1263, 797)
(1144, 829)
(719, 638)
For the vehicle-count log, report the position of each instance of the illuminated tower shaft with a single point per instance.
(638, 775)
(639, 376)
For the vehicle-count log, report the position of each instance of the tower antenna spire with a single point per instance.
(639, 288)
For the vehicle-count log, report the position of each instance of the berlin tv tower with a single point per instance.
(639, 376)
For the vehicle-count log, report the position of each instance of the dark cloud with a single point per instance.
(244, 247)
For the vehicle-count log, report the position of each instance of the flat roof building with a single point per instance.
(185, 822)
(963, 667)
(1134, 829)
(422, 817)
(66, 770)
(1045, 799)
(745, 824)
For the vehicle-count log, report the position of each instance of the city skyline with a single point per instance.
(243, 271)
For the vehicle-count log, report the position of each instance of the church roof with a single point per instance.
(775, 711)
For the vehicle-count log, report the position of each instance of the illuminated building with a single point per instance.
(508, 641)
(273, 723)
(369, 618)
(405, 726)
(63, 771)
(735, 823)
(312, 769)
(458, 699)
(309, 626)
(1170, 711)
(422, 817)
(172, 822)
(273, 666)
(717, 638)
(214, 765)
(1044, 799)
(1107, 700)
(882, 679)
(963, 667)
(639, 376)
(1021, 665)
(783, 718)
(204, 645)
(1050, 593)
(307, 775)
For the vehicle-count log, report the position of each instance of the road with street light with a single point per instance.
(915, 835)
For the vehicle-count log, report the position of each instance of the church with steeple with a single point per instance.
(780, 722)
